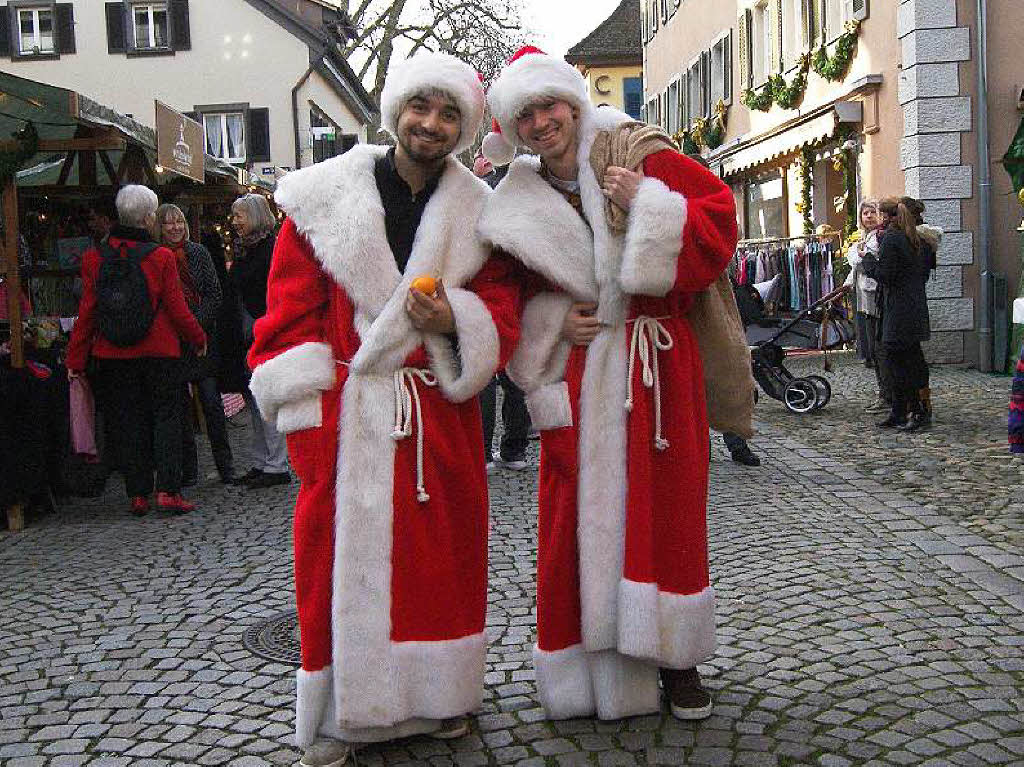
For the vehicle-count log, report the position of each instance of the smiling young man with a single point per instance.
(613, 379)
(375, 384)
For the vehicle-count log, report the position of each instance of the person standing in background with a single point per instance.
(254, 223)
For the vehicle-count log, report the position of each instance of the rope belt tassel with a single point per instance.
(649, 337)
(407, 407)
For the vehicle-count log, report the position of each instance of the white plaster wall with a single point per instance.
(238, 55)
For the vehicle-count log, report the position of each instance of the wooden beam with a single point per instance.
(10, 212)
(65, 169)
(102, 143)
(16, 518)
(108, 166)
(87, 169)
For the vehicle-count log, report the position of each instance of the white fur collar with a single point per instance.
(529, 219)
(336, 205)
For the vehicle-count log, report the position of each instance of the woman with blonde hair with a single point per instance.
(254, 222)
(203, 293)
(867, 300)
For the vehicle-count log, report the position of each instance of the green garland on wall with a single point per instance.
(27, 140)
(834, 68)
(710, 133)
(805, 206)
(685, 143)
(789, 95)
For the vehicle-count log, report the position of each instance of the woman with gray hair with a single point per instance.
(130, 320)
(867, 300)
(254, 223)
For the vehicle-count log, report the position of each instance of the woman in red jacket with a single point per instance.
(137, 383)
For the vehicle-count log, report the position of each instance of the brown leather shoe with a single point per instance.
(688, 699)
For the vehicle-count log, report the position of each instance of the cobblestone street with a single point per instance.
(870, 607)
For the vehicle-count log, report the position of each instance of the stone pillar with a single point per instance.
(935, 115)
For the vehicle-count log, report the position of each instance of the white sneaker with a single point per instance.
(326, 753)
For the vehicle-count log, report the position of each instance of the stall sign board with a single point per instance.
(179, 143)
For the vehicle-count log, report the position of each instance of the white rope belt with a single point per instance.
(407, 405)
(649, 337)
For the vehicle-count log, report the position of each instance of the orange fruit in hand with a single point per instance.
(425, 284)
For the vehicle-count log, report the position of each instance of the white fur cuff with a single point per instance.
(549, 406)
(301, 414)
(623, 686)
(312, 701)
(563, 682)
(463, 378)
(542, 353)
(297, 373)
(653, 240)
(674, 630)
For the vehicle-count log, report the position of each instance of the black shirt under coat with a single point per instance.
(403, 210)
(250, 271)
(902, 273)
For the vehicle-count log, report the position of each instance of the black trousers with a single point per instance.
(143, 398)
(514, 417)
(216, 429)
(733, 441)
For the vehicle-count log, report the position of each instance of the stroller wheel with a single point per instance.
(800, 396)
(823, 389)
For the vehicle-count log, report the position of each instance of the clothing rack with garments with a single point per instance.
(804, 263)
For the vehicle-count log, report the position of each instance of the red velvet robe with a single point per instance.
(622, 571)
(390, 555)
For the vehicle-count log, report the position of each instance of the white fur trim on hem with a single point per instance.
(549, 406)
(302, 414)
(563, 682)
(297, 373)
(623, 686)
(654, 239)
(463, 378)
(674, 630)
(312, 699)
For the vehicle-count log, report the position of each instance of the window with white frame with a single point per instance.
(150, 26)
(793, 26)
(695, 98)
(721, 71)
(225, 135)
(673, 108)
(760, 44)
(836, 16)
(35, 30)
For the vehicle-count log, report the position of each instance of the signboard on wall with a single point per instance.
(180, 143)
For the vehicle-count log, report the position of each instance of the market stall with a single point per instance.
(60, 152)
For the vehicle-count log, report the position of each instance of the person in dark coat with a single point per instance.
(232, 371)
(202, 291)
(902, 267)
(254, 223)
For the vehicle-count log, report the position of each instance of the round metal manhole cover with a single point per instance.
(276, 638)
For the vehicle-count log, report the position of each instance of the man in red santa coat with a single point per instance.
(614, 380)
(375, 384)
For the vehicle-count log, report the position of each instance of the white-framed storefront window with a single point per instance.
(225, 135)
(35, 30)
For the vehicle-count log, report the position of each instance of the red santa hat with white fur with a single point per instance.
(434, 71)
(529, 75)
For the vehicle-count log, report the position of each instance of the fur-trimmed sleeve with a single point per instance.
(486, 314)
(682, 228)
(292, 362)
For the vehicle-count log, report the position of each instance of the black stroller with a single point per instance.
(822, 325)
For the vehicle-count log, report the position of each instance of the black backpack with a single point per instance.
(124, 312)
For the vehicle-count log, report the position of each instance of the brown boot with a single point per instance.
(688, 699)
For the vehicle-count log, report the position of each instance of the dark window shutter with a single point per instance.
(181, 32)
(5, 32)
(66, 27)
(259, 135)
(116, 37)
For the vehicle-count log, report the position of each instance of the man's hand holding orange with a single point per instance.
(429, 312)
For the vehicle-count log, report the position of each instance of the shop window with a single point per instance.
(225, 136)
(35, 31)
(633, 96)
(765, 208)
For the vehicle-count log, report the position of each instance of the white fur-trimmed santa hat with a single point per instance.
(529, 75)
(434, 71)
